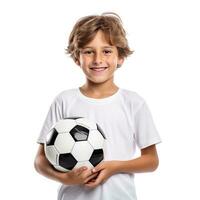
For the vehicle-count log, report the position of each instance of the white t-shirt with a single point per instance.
(126, 121)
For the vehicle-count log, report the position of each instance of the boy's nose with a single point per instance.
(97, 59)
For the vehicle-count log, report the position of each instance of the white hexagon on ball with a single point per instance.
(84, 163)
(64, 143)
(96, 139)
(82, 151)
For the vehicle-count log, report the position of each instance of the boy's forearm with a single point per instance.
(145, 163)
(43, 167)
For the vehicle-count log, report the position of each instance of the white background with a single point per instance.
(164, 70)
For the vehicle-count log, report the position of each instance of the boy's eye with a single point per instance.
(107, 52)
(91, 52)
(88, 52)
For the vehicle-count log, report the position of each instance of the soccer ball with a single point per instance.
(74, 142)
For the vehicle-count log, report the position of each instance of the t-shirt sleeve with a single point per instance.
(54, 114)
(146, 132)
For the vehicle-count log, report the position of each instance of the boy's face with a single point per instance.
(99, 60)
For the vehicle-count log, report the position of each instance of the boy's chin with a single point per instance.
(97, 81)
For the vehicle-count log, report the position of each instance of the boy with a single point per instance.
(98, 46)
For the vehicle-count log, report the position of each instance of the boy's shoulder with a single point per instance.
(130, 95)
(66, 94)
(132, 99)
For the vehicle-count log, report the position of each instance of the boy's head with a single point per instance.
(87, 27)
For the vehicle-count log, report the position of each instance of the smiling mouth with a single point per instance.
(98, 69)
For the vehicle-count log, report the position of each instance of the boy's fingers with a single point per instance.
(87, 173)
(90, 177)
(96, 169)
(96, 182)
(80, 170)
(91, 184)
(93, 175)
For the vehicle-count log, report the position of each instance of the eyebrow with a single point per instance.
(88, 47)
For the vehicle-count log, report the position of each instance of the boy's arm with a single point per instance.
(77, 176)
(147, 162)
(43, 166)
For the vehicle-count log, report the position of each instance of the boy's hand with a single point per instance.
(104, 169)
(78, 176)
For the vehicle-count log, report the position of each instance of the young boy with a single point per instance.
(98, 45)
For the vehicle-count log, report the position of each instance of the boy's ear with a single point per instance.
(120, 61)
(77, 62)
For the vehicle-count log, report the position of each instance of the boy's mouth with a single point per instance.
(98, 69)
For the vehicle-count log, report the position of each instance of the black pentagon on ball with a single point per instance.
(52, 138)
(67, 161)
(96, 157)
(79, 133)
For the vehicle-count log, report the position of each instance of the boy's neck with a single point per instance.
(98, 90)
